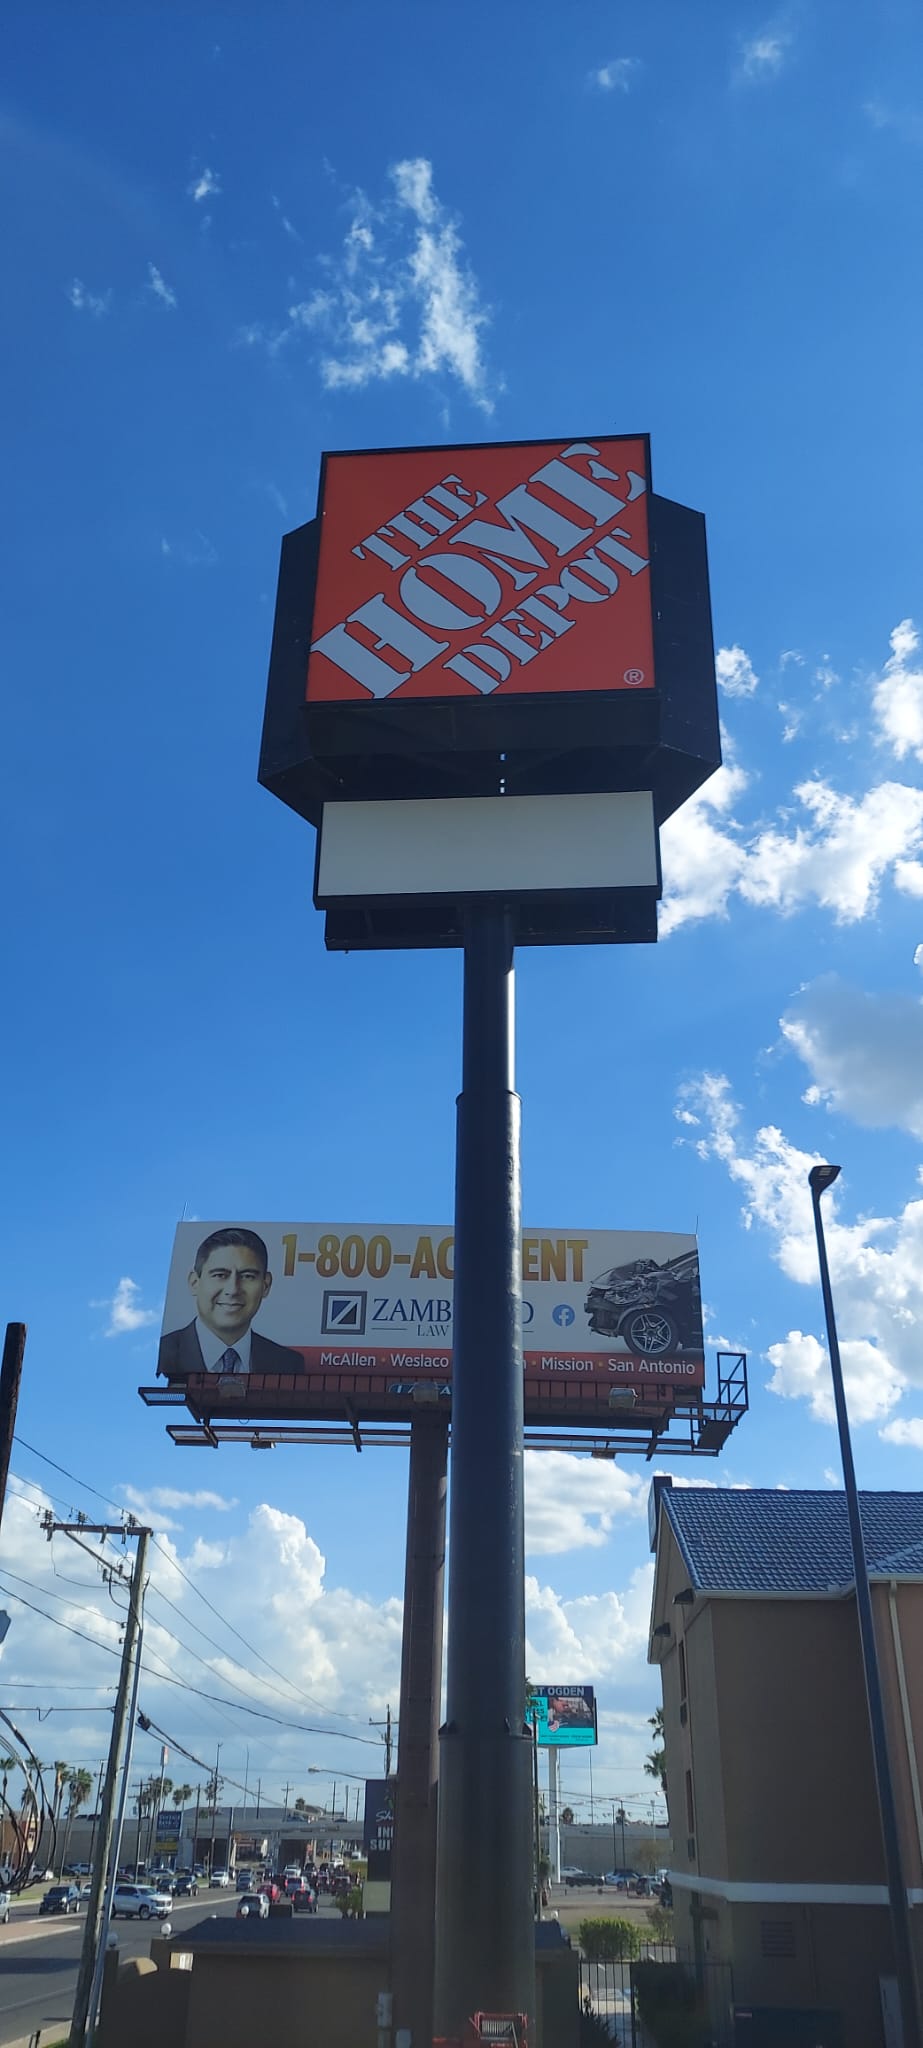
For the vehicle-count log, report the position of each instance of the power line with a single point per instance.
(176, 1566)
(163, 1678)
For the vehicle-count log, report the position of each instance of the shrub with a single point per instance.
(607, 1941)
(660, 1923)
(668, 2004)
(594, 2032)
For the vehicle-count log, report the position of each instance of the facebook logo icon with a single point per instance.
(563, 1315)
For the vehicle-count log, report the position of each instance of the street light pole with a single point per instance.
(819, 1179)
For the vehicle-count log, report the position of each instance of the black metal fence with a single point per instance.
(612, 1993)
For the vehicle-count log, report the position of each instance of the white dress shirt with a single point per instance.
(213, 1348)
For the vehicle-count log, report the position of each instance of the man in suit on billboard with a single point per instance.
(230, 1281)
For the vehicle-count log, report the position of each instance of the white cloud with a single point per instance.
(906, 123)
(876, 1263)
(616, 76)
(572, 1502)
(205, 186)
(897, 696)
(149, 1506)
(836, 854)
(591, 1637)
(864, 1052)
(84, 301)
(125, 1312)
(399, 300)
(905, 1429)
(196, 553)
(284, 222)
(801, 1371)
(735, 672)
(155, 284)
(762, 57)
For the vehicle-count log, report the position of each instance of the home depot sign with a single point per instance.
(515, 569)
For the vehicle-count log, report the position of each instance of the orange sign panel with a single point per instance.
(515, 569)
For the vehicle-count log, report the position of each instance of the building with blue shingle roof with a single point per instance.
(778, 1865)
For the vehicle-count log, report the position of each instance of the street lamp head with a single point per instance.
(821, 1178)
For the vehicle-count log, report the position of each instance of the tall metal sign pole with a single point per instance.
(492, 678)
(485, 1754)
(413, 1859)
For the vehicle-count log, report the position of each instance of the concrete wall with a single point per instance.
(298, 2000)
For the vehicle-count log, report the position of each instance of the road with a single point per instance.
(38, 1965)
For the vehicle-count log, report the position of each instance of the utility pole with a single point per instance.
(96, 1921)
(99, 1787)
(259, 1795)
(14, 1345)
(195, 1845)
(285, 1807)
(211, 1851)
(386, 1738)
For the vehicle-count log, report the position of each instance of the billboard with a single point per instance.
(563, 1716)
(167, 1830)
(378, 1827)
(450, 605)
(291, 1308)
(509, 570)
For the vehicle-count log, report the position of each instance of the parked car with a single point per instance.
(643, 1886)
(141, 1902)
(62, 1898)
(220, 1877)
(623, 1880)
(185, 1887)
(579, 1877)
(653, 1308)
(253, 1906)
(5, 1903)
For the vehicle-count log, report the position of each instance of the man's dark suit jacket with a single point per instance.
(179, 1355)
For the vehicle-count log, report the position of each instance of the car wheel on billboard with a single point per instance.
(649, 1331)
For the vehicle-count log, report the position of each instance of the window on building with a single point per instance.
(777, 1938)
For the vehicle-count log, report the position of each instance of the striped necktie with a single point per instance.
(229, 1360)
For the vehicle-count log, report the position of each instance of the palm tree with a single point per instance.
(79, 1786)
(655, 1763)
(181, 1794)
(61, 1775)
(567, 1816)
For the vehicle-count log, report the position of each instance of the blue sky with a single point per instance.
(231, 242)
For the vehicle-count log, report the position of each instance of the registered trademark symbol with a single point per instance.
(633, 675)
